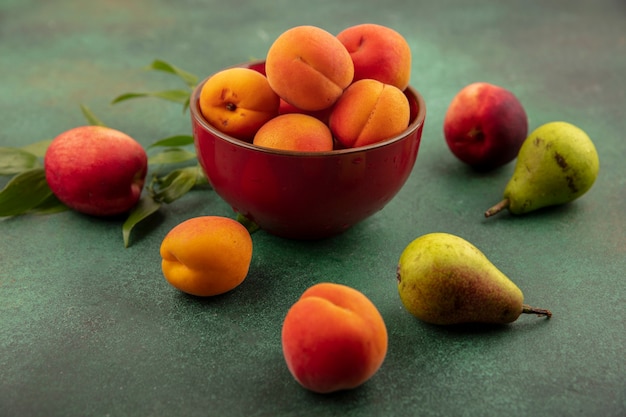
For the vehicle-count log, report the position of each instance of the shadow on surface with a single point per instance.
(242, 291)
(483, 329)
(469, 329)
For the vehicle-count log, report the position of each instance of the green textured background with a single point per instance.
(88, 328)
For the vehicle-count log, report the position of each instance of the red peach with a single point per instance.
(485, 126)
(333, 338)
(96, 170)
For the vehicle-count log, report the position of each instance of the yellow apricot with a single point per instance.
(238, 101)
(207, 255)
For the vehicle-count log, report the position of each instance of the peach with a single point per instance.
(369, 111)
(206, 255)
(96, 170)
(485, 126)
(333, 338)
(295, 132)
(308, 67)
(238, 101)
(379, 53)
(286, 108)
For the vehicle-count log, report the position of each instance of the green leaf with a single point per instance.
(247, 223)
(91, 118)
(190, 79)
(38, 148)
(174, 185)
(177, 96)
(24, 192)
(178, 140)
(186, 104)
(144, 208)
(50, 205)
(201, 178)
(16, 160)
(172, 156)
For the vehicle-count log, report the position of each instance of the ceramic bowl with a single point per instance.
(300, 195)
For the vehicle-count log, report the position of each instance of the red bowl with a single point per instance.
(306, 195)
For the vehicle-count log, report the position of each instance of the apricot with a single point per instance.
(238, 101)
(333, 338)
(286, 108)
(295, 132)
(206, 255)
(369, 111)
(378, 52)
(308, 67)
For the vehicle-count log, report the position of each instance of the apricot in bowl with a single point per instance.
(300, 194)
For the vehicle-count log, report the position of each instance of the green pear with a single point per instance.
(556, 164)
(444, 279)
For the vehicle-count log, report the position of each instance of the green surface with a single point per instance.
(90, 328)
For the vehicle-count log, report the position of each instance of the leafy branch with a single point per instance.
(27, 192)
(178, 96)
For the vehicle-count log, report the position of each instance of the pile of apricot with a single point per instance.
(317, 92)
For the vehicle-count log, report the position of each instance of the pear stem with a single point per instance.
(526, 309)
(497, 208)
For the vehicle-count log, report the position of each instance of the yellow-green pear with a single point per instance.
(556, 164)
(444, 279)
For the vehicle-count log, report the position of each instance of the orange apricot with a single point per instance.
(369, 111)
(333, 338)
(295, 132)
(238, 101)
(206, 255)
(378, 52)
(308, 67)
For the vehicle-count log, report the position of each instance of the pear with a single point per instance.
(444, 279)
(556, 164)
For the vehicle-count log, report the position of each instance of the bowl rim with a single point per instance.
(196, 114)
